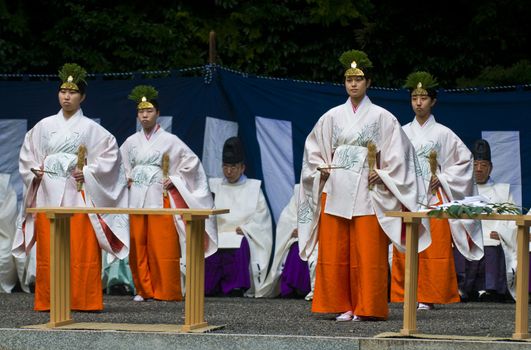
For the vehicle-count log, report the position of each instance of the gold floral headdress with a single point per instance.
(421, 83)
(72, 76)
(355, 61)
(143, 95)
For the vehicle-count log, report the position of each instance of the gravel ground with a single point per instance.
(277, 317)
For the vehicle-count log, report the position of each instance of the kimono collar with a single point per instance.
(489, 182)
(363, 101)
(240, 181)
(78, 113)
(430, 121)
(153, 132)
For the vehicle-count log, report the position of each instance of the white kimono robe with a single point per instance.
(287, 222)
(456, 174)
(339, 139)
(53, 143)
(8, 215)
(249, 211)
(500, 193)
(142, 161)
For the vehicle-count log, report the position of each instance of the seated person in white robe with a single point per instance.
(289, 275)
(244, 235)
(491, 277)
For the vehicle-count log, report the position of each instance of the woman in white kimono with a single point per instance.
(69, 160)
(163, 173)
(453, 180)
(346, 190)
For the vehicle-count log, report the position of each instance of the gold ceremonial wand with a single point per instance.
(433, 167)
(371, 158)
(165, 170)
(81, 153)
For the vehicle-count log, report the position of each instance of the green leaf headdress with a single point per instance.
(421, 84)
(355, 61)
(144, 96)
(72, 77)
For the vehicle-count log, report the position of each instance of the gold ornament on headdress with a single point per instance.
(69, 84)
(144, 103)
(355, 61)
(143, 94)
(71, 75)
(419, 90)
(420, 83)
(354, 71)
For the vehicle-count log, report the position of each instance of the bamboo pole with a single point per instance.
(212, 47)
(433, 167)
(81, 154)
(371, 158)
(165, 171)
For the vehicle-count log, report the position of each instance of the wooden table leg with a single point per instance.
(195, 274)
(59, 270)
(411, 276)
(521, 330)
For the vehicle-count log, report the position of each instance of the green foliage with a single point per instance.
(519, 73)
(426, 79)
(451, 40)
(288, 38)
(467, 211)
(73, 70)
(360, 57)
(147, 91)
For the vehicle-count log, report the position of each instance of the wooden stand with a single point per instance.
(411, 276)
(521, 330)
(195, 274)
(412, 220)
(60, 260)
(59, 270)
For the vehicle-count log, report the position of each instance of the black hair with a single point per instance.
(367, 72)
(82, 86)
(155, 104)
(432, 93)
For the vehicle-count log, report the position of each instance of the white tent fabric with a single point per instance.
(11, 138)
(8, 215)
(505, 154)
(216, 132)
(276, 151)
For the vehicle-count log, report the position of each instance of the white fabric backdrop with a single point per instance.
(276, 151)
(505, 154)
(11, 138)
(216, 132)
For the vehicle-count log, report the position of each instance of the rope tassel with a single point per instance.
(433, 167)
(81, 154)
(165, 170)
(371, 158)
